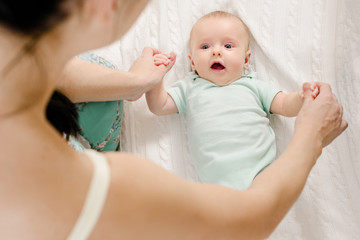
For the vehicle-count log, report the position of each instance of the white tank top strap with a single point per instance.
(95, 198)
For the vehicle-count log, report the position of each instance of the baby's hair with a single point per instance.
(221, 14)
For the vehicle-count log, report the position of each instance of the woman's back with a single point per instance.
(45, 186)
(44, 182)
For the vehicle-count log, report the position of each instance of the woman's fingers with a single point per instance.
(323, 115)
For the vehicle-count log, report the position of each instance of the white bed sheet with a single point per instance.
(294, 41)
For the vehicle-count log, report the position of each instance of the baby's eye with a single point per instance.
(228, 46)
(205, 46)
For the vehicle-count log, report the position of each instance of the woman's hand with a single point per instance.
(148, 74)
(321, 117)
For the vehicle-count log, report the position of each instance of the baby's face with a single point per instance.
(219, 49)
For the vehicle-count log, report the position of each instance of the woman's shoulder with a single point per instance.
(134, 181)
(132, 174)
(125, 165)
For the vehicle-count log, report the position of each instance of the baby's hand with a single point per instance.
(163, 58)
(312, 86)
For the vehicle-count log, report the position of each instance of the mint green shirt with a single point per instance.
(100, 122)
(229, 134)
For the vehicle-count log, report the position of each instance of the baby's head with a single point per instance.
(219, 47)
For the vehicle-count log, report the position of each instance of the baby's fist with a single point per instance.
(163, 59)
(309, 86)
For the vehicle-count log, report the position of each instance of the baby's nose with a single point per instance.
(217, 53)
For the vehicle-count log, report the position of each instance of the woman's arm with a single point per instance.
(84, 81)
(150, 201)
(172, 208)
(146, 201)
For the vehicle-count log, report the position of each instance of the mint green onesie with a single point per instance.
(229, 134)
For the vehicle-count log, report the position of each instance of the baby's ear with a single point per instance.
(192, 62)
(247, 59)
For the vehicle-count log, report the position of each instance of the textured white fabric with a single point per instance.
(294, 41)
(95, 198)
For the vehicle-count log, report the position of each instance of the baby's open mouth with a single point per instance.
(217, 66)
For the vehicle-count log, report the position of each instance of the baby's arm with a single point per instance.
(290, 104)
(158, 100)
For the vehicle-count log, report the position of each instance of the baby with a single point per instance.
(230, 138)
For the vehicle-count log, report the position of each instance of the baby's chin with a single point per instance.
(221, 82)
